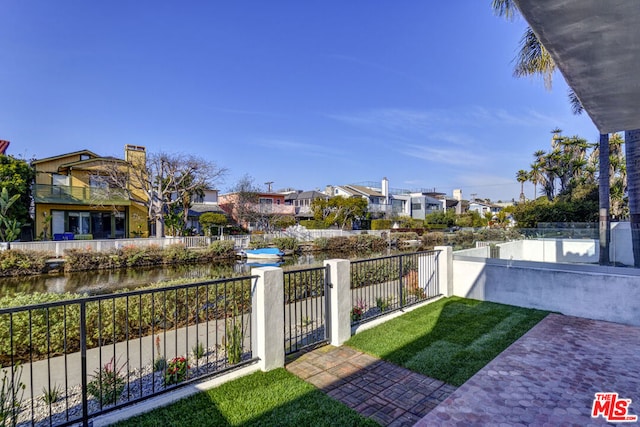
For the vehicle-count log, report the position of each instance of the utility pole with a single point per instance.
(268, 184)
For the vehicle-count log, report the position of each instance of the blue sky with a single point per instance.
(301, 93)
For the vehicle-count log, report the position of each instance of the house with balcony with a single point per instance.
(302, 201)
(385, 202)
(71, 202)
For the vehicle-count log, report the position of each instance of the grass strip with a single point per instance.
(450, 339)
(275, 398)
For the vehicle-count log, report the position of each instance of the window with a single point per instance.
(416, 206)
(96, 182)
(266, 201)
(79, 222)
(58, 179)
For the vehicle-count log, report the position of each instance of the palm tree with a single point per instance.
(632, 152)
(535, 59)
(522, 176)
(535, 176)
(617, 177)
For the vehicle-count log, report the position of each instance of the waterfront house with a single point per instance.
(71, 202)
(302, 201)
(201, 203)
(253, 211)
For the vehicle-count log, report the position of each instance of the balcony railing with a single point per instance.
(66, 194)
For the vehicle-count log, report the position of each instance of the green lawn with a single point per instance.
(275, 398)
(450, 339)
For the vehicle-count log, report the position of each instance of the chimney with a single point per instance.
(385, 190)
(3, 146)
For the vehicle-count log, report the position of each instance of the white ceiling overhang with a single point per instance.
(596, 46)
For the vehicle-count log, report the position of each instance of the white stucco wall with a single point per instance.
(591, 291)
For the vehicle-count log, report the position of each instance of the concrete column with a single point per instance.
(339, 300)
(267, 320)
(445, 270)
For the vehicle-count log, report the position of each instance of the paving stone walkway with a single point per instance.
(549, 377)
(382, 391)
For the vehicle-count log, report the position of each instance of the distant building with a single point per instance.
(252, 215)
(208, 202)
(386, 202)
(302, 201)
(70, 201)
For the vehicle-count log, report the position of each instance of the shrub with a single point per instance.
(222, 248)
(51, 395)
(176, 370)
(19, 263)
(11, 393)
(285, 243)
(198, 350)
(234, 339)
(313, 224)
(107, 383)
(381, 224)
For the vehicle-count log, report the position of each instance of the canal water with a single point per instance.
(107, 281)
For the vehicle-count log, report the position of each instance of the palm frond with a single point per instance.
(505, 8)
(576, 105)
(534, 59)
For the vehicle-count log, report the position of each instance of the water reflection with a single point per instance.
(106, 281)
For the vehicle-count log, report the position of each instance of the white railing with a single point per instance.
(58, 247)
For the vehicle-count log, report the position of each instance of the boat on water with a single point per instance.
(262, 253)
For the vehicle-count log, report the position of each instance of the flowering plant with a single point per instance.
(176, 370)
(358, 310)
(107, 383)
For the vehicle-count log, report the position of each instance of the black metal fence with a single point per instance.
(305, 308)
(382, 285)
(68, 361)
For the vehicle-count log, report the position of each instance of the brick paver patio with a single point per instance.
(384, 392)
(548, 377)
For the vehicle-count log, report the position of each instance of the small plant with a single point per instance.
(234, 339)
(176, 370)
(11, 392)
(160, 362)
(107, 383)
(358, 310)
(383, 304)
(306, 321)
(198, 350)
(51, 395)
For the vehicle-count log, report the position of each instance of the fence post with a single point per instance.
(339, 300)
(445, 269)
(267, 320)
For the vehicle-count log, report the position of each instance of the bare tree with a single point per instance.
(243, 204)
(159, 182)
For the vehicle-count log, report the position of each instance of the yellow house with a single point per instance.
(71, 203)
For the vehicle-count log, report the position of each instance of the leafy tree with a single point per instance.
(17, 176)
(9, 227)
(243, 206)
(211, 219)
(165, 180)
(471, 219)
(339, 210)
(447, 218)
(283, 221)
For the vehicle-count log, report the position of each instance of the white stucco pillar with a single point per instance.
(445, 270)
(267, 320)
(339, 300)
